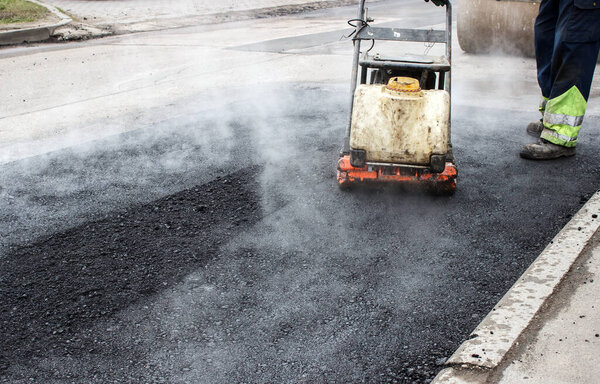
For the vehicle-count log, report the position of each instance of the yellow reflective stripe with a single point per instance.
(560, 119)
(564, 130)
(553, 140)
(558, 139)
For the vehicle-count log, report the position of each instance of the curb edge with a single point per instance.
(35, 34)
(498, 332)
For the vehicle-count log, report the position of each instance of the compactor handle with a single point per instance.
(449, 30)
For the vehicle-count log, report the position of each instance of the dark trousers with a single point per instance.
(567, 41)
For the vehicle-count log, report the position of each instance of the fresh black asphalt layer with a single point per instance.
(216, 247)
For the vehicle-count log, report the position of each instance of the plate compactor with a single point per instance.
(399, 127)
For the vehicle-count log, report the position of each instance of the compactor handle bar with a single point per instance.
(365, 32)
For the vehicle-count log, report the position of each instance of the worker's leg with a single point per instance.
(576, 46)
(544, 31)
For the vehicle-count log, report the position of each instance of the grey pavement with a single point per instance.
(127, 11)
(141, 15)
(73, 20)
(563, 346)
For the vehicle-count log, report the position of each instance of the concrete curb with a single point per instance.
(34, 34)
(88, 31)
(166, 23)
(498, 332)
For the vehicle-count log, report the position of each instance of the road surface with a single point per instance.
(169, 210)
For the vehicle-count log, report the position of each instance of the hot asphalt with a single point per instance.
(211, 249)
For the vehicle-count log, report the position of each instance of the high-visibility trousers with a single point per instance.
(567, 42)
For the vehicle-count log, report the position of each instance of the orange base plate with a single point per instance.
(347, 175)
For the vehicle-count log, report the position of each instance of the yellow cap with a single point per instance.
(403, 84)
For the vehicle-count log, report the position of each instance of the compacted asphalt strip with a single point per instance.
(216, 247)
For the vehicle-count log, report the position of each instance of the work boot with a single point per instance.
(545, 150)
(535, 128)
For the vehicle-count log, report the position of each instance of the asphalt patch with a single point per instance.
(54, 288)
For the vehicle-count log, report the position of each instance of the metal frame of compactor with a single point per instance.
(432, 73)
